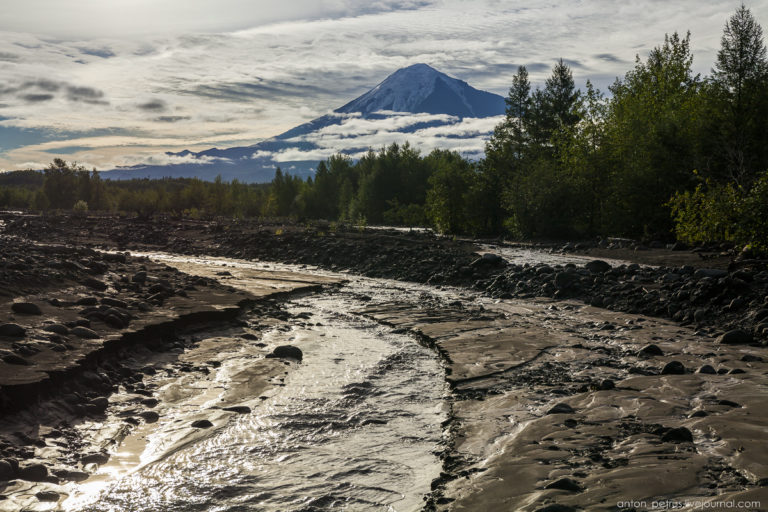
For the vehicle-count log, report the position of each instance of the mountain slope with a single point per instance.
(417, 103)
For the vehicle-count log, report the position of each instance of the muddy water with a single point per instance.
(355, 426)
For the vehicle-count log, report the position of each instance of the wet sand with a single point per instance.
(553, 406)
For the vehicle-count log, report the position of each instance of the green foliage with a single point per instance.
(80, 208)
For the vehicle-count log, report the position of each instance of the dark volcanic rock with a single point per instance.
(84, 332)
(95, 284)
(202, 424)
(95, 458)
(673, 368)
(26, 308)
(561, 409)
(12, 330)
(650, 351)
(565, 484)
(287, 352)
(6, 471)
(47, 496)
(33, 473)
(735, 337)
(11, 358)
(149, 416)
(239, 409)
(677, 435)
(598, 266)
(708, 369)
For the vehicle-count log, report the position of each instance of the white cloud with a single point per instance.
(234, 71)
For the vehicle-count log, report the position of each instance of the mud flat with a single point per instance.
(560, 406)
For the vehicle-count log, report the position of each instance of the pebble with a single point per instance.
(288, 352)
(47, 496)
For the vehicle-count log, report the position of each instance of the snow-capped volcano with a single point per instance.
(417, 104)
(422, 89)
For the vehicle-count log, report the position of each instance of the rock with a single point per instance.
(566, 280)
(99, 403)
(287, 352)
(149, 402)
(6, 471)
(95, 458)
(84, 332)
(149, 416)
(202, 424)
(749, 358)
(728, 403)
(239, 409)
(598, 266)
(561, 409)
(565, 484)
(12, 330)
(95, 284)
(87, 301)
(671, 277)
(74, 476)
(109, 301)
(650, 351)
(57, 328)
(700, 315)
(11, 358)
(47, 496)
(606, 385)
(735, 337)
(673, 368)
(26, 308)
(33, 473)
(714, 273)
(698, 414)
(492, 259)
(708, 369)
(677, 435)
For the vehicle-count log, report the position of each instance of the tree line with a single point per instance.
(666, 153)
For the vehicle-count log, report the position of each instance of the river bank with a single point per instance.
(573, 383)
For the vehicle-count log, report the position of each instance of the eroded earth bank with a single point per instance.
(427, 377)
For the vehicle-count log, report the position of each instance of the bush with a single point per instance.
(80, 208)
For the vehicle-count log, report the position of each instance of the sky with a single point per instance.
(109, 83)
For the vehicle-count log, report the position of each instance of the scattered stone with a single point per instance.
(95, 458)
(57, 329)
(11, 358)
(708, 369)
(677, 435)
(139, 277)
(74, 476)
(149, 416)
(239, 409)
(12, 330)
(714, 273)
(6, 471)
(33, 473)
(606, 385)
(728, 403)
(561, 409)
(287, 352)
(47, 496)
(565, 484)
(698, 414)
(673, 368)
(149, 402)
(650, 351)
(598, 266)
(109, 301)
(26, 308)
(735, 337)
(84, 332)
(202, 424)
(100, 404)
(749, 358)
(95, 284)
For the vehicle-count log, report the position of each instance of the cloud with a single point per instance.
(36, 98)
(241, 71)
(154, 106)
